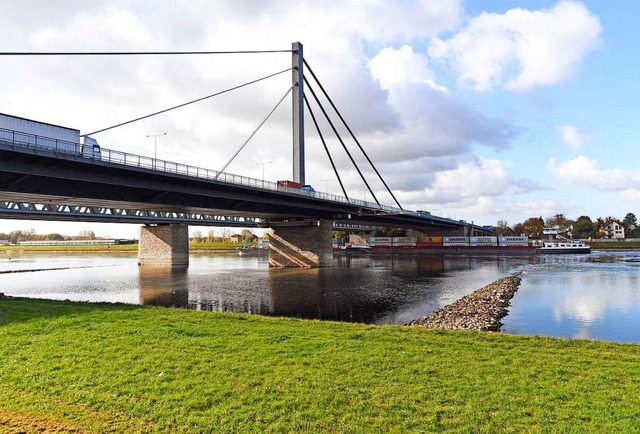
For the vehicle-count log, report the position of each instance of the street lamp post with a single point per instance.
(155, 146)
(263, 164)
(326, 184)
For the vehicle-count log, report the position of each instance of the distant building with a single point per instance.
(235, 238)
(614, 230)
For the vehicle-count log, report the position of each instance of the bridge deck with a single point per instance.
(42, 174)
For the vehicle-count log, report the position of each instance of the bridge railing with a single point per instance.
(62, 148)
(25, 140)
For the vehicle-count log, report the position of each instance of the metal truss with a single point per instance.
(52, 212)
(337, 226)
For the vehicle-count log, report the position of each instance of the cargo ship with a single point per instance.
(462, 245)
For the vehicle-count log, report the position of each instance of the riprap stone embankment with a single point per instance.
(481, 310)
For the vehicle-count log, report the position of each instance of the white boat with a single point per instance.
(356, 248)
(242, 250)
(557, 246)
(251, 250)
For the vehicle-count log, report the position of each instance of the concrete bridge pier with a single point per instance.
(164, 245)
(300, 243)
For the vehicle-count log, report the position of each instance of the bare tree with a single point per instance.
(502, 228)
(86, 235)
(560, 222)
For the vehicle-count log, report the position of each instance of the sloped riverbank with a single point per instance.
(96, 368)
(481, 310)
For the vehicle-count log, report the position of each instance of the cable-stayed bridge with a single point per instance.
(43, 183)
(48, 179)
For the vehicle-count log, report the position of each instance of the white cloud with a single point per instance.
(521, 49)
(421, 136)
(631, 195)
(489, 209)
(114, 25)
(572, 136)
(377, 20)
(476, 178)
(433, 122)
(589, 172)
(469, 180)
(397, 67)
(530, 208)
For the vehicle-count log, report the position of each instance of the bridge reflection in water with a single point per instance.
(164, 286)
(391, 289)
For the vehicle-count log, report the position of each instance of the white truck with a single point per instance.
(27, 132)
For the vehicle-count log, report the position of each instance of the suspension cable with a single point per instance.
(351, 132)
(190, 102)
(254, 132)
(306, 101)
(132, 53)
(340, 138)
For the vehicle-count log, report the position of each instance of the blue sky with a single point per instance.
(598, 100)
(476, 110)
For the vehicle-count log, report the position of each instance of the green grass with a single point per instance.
(120, 368)
(96, 248)
(615, 245)
(216, 246)
(115, 248)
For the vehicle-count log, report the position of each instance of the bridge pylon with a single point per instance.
(297, 62)
(164, 246)
(300, 243)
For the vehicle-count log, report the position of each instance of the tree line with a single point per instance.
(210, 237)
(14, 237)
(582, 227)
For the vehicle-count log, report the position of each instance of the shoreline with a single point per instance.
(482, 310)
(485, 250)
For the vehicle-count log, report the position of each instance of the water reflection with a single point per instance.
(386, 289)
(589, 296)
(595, 297)
(161, 286)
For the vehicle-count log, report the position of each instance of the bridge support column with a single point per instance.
(300, 244)
(164, 246)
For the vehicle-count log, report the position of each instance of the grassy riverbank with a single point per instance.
(615, 245)
(95, 248)
(121, 368)
(194, 247)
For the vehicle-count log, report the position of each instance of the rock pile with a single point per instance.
(481, 310)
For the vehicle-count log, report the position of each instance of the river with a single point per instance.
(594, 296)
(589, 296)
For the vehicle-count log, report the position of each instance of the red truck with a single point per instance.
(290, 184)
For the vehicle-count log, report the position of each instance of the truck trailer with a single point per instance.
(27, 132)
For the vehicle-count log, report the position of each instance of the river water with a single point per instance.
(594, 296)
(589, 296)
